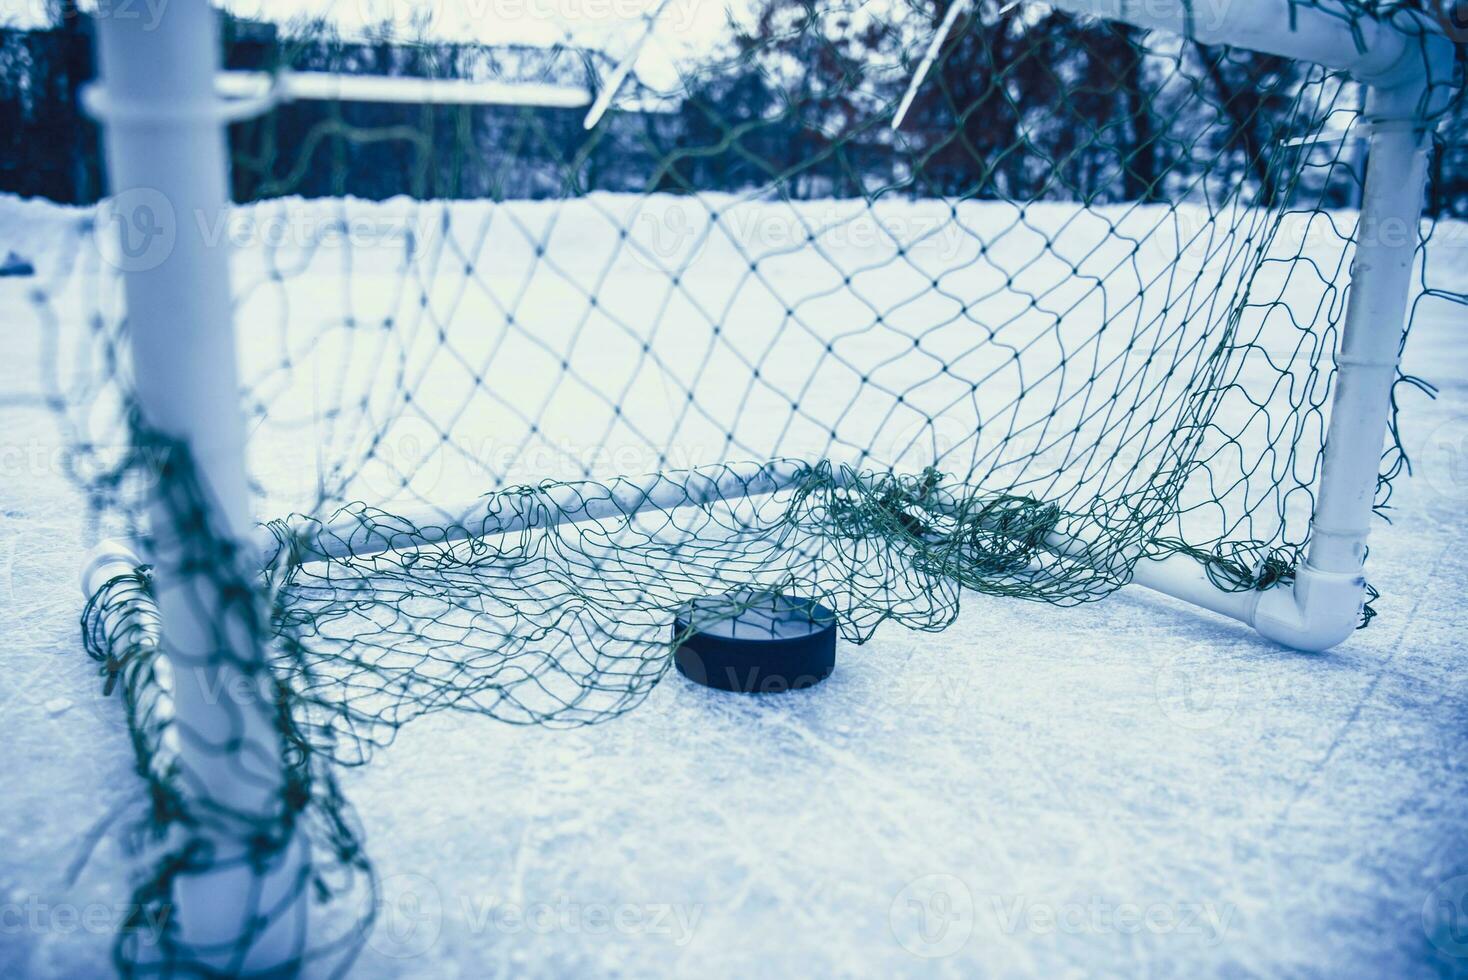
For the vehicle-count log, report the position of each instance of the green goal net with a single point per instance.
(517, 389)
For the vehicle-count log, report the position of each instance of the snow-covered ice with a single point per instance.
(1128, 787)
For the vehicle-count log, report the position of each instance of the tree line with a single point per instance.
(1024, 103)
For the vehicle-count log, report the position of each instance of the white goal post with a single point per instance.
(163, 122)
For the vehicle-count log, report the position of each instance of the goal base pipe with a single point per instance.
(504, 512)
(519, 509)
(1312, 613)
(1180, 576)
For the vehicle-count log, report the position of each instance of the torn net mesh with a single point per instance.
(1078, 310)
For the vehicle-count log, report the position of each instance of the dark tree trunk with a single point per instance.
(1241, 106)
(1139, 166)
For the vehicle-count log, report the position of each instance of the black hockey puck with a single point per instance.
(755, 642)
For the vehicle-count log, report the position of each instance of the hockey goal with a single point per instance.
(536, 346)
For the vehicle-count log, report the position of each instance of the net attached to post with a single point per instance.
(519, 390)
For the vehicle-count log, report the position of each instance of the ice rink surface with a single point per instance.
(1128, 788)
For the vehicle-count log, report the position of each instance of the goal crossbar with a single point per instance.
(249, 86)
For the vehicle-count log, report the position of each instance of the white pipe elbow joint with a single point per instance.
(1418, 86)
(1318, 611)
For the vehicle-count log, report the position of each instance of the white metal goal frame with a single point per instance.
(163, 115)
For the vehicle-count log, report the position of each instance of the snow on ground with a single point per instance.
(1125, 788)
